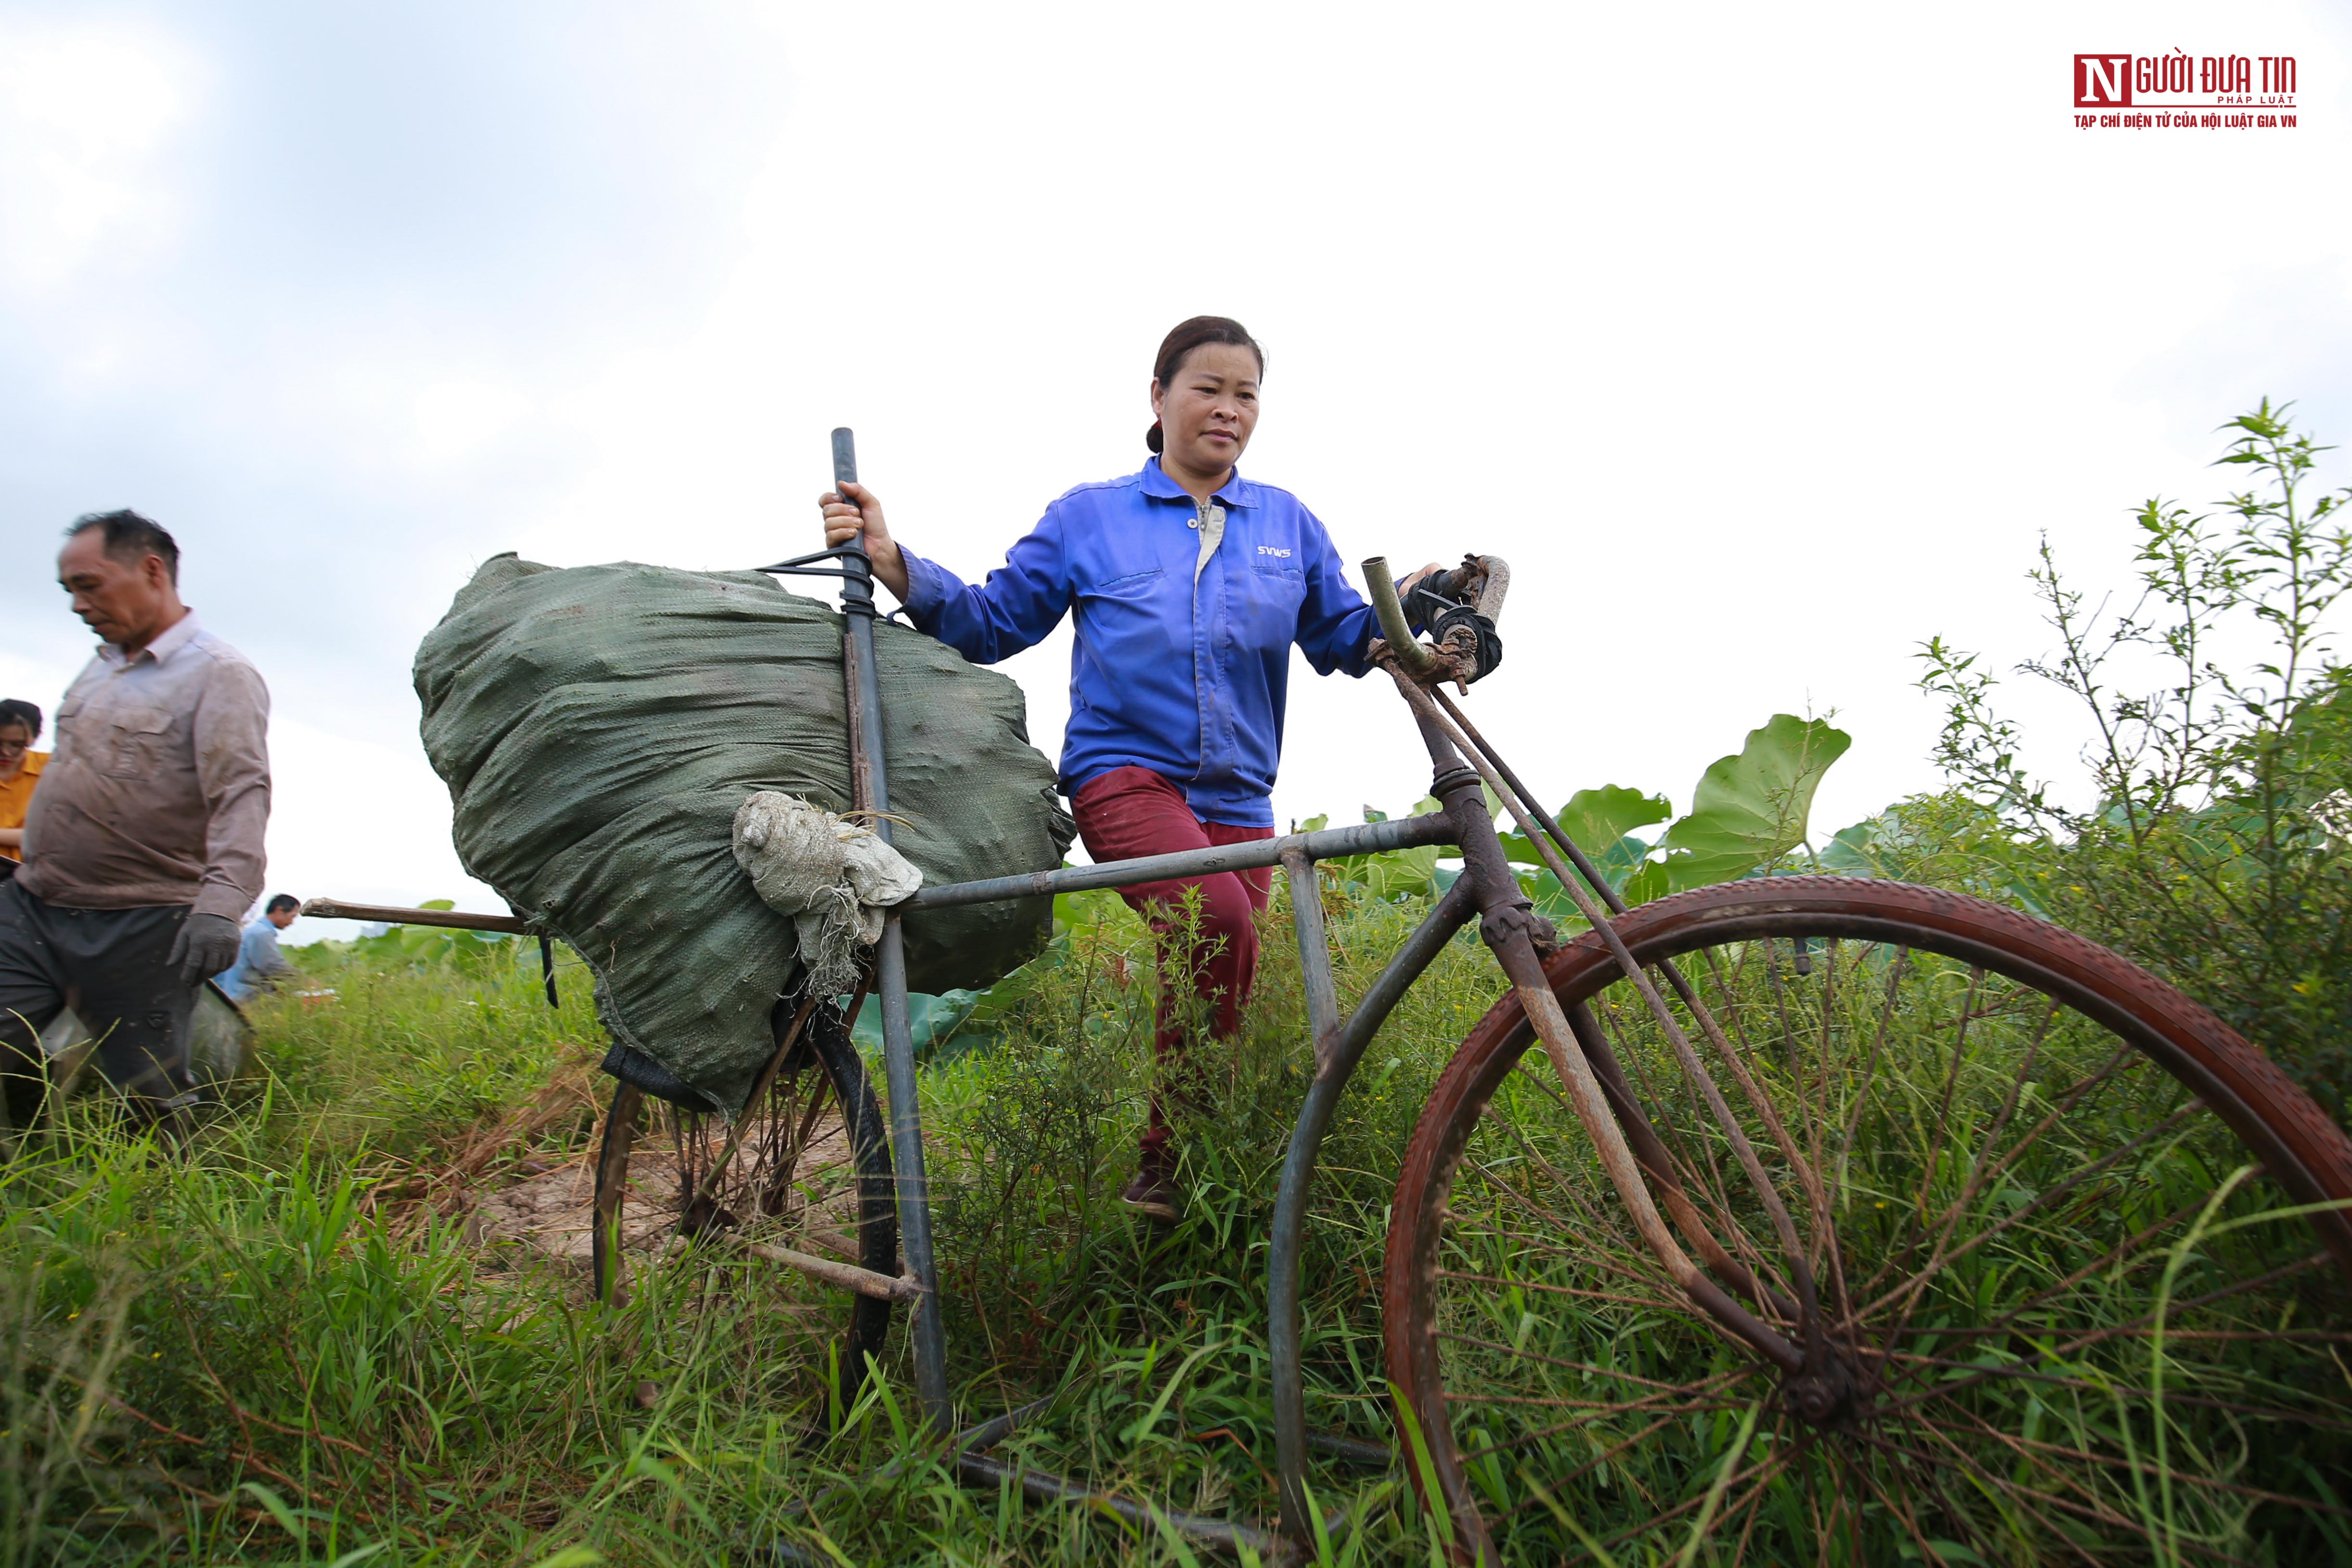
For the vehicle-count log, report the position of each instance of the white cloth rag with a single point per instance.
(835, 878)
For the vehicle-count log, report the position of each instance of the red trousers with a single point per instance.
(1132, 811)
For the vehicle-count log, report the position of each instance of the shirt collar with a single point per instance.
(1235, 491)
(178, 636)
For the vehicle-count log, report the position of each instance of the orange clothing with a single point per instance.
(17, 793)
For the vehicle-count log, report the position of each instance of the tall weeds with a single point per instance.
(282, 1345)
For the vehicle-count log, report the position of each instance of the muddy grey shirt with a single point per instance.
(158, 792)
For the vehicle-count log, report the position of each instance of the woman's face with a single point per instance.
(15, 741)
(1208, 409)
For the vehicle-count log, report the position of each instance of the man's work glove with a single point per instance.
(207, 945)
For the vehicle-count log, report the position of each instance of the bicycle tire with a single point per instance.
(1456, 1251)
(858, 1189)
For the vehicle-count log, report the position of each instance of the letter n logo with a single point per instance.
(2103, 81)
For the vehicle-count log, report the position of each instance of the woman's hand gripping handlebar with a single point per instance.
(1459, 608)
(853, 511)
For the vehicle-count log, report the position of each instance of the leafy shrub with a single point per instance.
(2209, 848)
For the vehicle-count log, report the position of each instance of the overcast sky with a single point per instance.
(1764, 342)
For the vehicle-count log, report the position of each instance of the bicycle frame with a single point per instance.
(1487, 891)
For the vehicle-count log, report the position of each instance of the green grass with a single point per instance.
(279, 1346)
(285, 1345)
(2072, 1197)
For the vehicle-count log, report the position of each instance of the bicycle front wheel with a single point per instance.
(2079, 1251)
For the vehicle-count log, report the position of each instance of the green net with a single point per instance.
(598, 727)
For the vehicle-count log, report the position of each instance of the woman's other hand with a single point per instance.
(854, 509)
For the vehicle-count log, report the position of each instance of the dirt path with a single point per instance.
(552, 1216)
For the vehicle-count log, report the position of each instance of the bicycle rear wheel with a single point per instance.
(2075, 1305)
(811, 1172)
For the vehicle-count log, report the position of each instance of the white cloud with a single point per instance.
(459, 417)
(88, 111)
(1760, 361)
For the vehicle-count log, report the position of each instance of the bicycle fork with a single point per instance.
(1816, 1384)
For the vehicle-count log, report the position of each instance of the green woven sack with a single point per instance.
(598, 727)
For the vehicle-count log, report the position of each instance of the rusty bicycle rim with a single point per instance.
(2304, 1159)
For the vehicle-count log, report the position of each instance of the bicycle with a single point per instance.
(1995, 1249)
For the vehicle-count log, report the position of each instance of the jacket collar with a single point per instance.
(1235, 491)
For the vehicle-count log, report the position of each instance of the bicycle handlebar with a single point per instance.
(1489, 575)
(1410, 651)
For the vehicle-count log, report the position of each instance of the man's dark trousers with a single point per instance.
(109, 966)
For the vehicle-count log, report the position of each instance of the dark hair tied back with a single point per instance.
(1196, 333)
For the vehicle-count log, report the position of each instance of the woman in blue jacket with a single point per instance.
(1190, 584)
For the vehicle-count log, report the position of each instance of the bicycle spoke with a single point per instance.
(1995, 1189)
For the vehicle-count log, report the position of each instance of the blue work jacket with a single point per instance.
(1181, 665)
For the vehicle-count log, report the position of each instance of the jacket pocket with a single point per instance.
(1131, 624)
(1276, 589)
(1131, 585)
(138, 745)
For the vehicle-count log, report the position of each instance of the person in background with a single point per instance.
(144, 844)
(259, 961)
(20, 769)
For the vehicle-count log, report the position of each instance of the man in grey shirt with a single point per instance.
(143, 843)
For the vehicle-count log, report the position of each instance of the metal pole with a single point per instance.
(392, 915)
(869, 789)
(1339, 1046)
(1330, 843)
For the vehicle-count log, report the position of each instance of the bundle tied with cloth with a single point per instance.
(624, 743)
(835, 877)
